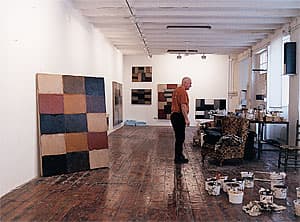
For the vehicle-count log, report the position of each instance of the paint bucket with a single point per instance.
(297, 207)
(249, 182)
(207, 180)
(298, 192)
(266, 196)
(277, 179)
(213, 188)
(246, 174)
(235, 196)
(280, 191)
(233, 186)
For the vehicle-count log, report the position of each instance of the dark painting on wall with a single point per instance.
(205, 106)
(141, 96)
(72, 123)
(117, 103)
(141, 74)
(165, 100)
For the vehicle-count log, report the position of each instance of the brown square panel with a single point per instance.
(96, 122)
(97, 141)
(172, 86)
(51, 103)
(99, 158)
(73, 84)
(161, 87)
(53, 144)
(49, 84)
(76, 142)
(161, 97)
(74, 103)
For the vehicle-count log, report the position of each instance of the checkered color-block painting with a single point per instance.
(117, 103)
(72, 123)
(165, 99)
(141, 74)
(141, 96)
(204, 106)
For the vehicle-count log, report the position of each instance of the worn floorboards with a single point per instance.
(143, 184)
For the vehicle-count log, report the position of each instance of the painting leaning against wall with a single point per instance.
(72, 123)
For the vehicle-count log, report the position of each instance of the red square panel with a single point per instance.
(97, 140)
(51, 103)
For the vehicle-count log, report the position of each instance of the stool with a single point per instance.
(288, 155)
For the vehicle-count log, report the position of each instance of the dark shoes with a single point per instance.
(180, 159)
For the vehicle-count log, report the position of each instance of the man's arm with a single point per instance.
(184, 110)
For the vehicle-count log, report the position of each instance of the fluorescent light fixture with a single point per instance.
(182, 51)
(188, 26)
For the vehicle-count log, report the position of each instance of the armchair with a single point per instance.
(231, 141)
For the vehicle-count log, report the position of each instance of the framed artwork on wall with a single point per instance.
(72, 123)
(142, 74)
(117, 103)
(164, 96)
(141, 96)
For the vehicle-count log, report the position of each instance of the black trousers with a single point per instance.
(178, 123)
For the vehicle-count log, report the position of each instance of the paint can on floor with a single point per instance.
(297, 207)
(213, 188)
(280, 191)
(266, 196)
(235, 196)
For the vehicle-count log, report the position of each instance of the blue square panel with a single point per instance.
(54, 165)
(95, 104)
(52, 123)
(75, 123)
(78, 161)
(94, 86)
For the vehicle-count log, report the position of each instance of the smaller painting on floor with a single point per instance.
(141, 74)
(141, 96)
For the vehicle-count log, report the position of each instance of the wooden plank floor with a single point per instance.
(143, 184)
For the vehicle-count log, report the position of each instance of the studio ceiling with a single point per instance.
(140, 26)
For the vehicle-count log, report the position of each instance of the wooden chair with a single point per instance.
(288, 155)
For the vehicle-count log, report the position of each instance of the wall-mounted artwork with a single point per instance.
(204, 107)
(117, 103)
(72, 123)
(141, 96)
(141, 74)
(165, 99)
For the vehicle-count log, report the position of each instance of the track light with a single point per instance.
(179, 56)
(203, 56)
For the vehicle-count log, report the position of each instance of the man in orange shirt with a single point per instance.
(179, 117)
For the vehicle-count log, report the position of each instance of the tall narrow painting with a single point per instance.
(117, 103)
(165, 92)
(72, 123)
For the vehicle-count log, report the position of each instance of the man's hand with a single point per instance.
(187, 122)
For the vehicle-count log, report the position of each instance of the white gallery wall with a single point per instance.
(209, 80)
(46, 36)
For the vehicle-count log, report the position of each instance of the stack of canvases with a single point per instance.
(72, 123)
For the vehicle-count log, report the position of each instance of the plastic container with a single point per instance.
(213, 188)
(235, 196)
(297, 207)
(249, 182)
(207, 180)
(266, 196)
(280, 191)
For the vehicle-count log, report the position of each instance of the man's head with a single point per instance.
(186, 83)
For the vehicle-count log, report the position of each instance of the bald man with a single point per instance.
(179, 117)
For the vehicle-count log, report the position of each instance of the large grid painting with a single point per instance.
(117, 103)
(165, 92)
(205, 106)
(72, 123)
(141, 74)
(141, 96)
